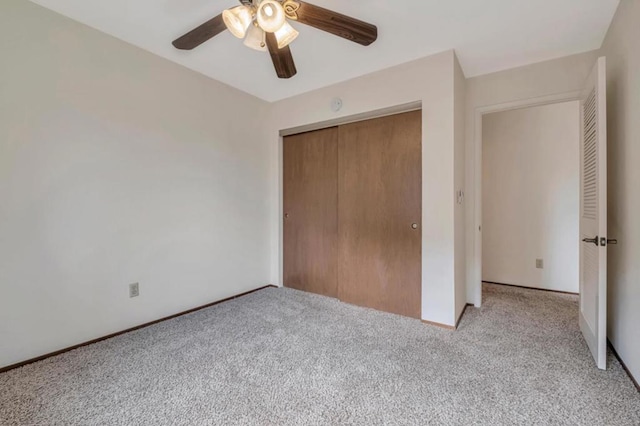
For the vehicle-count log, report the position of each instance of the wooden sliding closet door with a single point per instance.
(379, 211)
(310, 211)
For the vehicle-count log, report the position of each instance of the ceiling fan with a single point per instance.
(264, 25)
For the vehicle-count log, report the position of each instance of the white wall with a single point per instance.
(117, 166)
(530, 196)
(460, 86)
(431, 82)
(532, 82)
(623, 91)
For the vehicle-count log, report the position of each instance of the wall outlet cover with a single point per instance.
(134, 290)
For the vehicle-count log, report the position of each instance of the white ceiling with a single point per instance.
(488, 36)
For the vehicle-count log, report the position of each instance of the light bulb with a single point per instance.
(285, 35)
(270, 16)
(237, 20)
(256, 38)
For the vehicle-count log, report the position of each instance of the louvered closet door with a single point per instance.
(310, 188)
(379, 211)
(593, 220)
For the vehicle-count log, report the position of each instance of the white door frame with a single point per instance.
(476, 234)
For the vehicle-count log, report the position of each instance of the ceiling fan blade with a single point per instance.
(332, 22)
(282, 59)
(199, 35)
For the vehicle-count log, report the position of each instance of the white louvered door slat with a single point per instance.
(593, 214)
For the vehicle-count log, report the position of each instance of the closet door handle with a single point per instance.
(414, 226)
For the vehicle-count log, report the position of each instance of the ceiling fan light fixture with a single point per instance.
(270, 16)
(285, 35)
(238, 20)
(256, 38)
(259, 21)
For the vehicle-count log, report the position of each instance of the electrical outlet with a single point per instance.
(539, 264)
(134, 290)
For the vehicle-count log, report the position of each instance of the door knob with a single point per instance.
(414, 225)
(592, 240)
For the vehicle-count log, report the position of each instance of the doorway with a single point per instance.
(531, 197)
(593, 204)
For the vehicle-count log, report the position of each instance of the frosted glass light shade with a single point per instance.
(285, 35)
(256, 38)
(237, 20)
(270, 16)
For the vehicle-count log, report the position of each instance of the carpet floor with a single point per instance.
(283, 357)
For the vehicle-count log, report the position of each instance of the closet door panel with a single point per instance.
(310, 174)
(379, 211)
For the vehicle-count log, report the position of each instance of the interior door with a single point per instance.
(379, 211)
(310, 197)
(593, 217)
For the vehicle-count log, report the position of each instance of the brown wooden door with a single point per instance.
(379, 201)
(310, 208)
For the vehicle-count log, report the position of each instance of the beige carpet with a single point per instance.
(282, 357)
